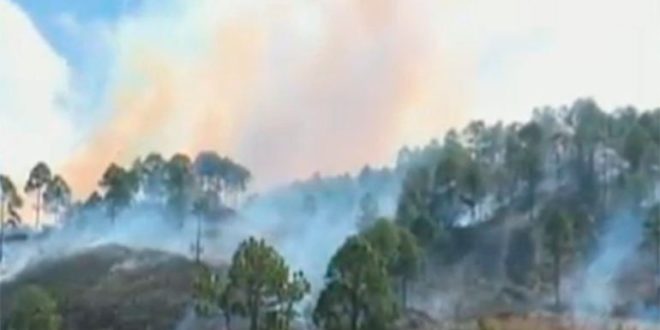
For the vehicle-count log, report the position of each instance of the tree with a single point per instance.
(236, 178)
(179, 186)
(473, 182)
(559, 243)
(10, 202)
(288, 294)
(212, 294)
(368, 210)
(530, 161)
(57, 196)
(39, 177)
(408, 262)
(634, 147)
(383, 238)
(652, 225)
(92, 201)
(150, 174)
(259, 275)
(590, 128)
(415, 210)
(475, 134)
(34, 309)
(399, 250)
(357, 295)
(120, 186)
(210, 168)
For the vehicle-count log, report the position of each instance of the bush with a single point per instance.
(34, 309)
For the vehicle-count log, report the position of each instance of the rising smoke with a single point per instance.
(275, 86)
(306, 222)
(620, 241)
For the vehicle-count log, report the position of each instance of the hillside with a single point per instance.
(97, 289)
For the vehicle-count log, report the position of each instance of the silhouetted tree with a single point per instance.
(120, 186)
(39, 177)
(57, 196)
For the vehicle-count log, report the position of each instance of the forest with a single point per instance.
(559, 215)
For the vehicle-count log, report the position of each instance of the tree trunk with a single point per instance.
(254, 318)
(557, 281)
(253, 307)
(227, 320)
(657, 275)
(404, 292)
(532, 199)
(198, 241)
(38, 210)
(355, 312)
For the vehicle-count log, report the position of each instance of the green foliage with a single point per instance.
(34, 309)
(635, 146)
(259, 286)
(208, 288)
(414, 210)
(559, 241)
(265, 289)
(558, 232)
(529, 161)
(408, 262)
(383, 237)
(10, 200)
(220, 176)
(179, 181)
(358, 294)
(399, 251)
(120, 186)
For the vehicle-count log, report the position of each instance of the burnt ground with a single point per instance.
(114, 287)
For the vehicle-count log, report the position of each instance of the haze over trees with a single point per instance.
(175, 186)
(547, 186)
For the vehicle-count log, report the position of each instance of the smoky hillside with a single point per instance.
(552, 223)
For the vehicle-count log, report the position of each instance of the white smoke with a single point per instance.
(306, 238)
(619, 242)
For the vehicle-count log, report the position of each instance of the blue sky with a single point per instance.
(51, 18)
(75, 30)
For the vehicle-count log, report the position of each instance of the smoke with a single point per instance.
(306, 236)
(276, 85)
(618, 244)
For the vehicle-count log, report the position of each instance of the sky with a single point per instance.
(293, 87)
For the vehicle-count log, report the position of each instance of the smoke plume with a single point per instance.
(275, 86)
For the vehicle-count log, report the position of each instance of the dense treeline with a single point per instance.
(565, 171)
(208, 185)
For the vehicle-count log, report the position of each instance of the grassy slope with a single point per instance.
(97, 289)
